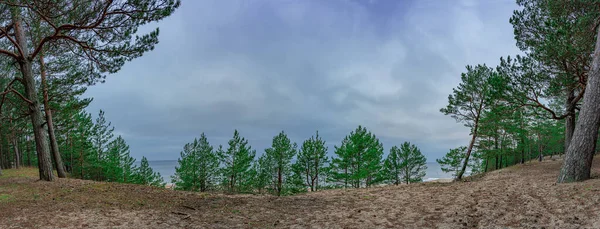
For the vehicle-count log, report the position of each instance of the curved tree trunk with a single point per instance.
(58, 163)
(466, 162)
(578, 158)
(41, 142)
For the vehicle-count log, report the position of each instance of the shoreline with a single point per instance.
(428, 180)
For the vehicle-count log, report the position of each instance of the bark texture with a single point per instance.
(578, 158)
(41, 142)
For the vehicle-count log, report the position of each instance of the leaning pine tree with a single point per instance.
(469, 101)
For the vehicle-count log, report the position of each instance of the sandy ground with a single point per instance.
(524, 196)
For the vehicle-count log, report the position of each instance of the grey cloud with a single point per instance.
(302, 66)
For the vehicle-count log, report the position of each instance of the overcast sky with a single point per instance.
(301, 66)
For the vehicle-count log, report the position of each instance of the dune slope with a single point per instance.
(524, 196)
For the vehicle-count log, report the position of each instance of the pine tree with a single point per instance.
(358, 161)
(237, 162)
(451, 162)
(468, 102)
(406, 163)
(391, 171)
(339, 169)
(261, 174)
(280, 156)
(102, 133)
(81, 153)
(198, 166)
(413, 163)
(117, 163)
(311, 162)
(146, 176)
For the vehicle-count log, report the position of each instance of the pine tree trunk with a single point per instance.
(71, 166)
(496, 162)
(540, 155)
(279, 181)
(44, 162)
(569, 120)
(58, 163)
(309, 180)
(500, 163)
(578, 158)
(81, 158)
(314, 186)
(464, 167)
(1, 153)
(7, 154)
(487, 161)
(29, 153)
(16, 151)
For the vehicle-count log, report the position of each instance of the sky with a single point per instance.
(299, 66)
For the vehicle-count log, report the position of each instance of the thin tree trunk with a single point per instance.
(500, 163)
(464, 167)
(44, 162)
(5, 158)
(1, 154)
(316, 172)
(7, 154)
(279, 181)
(29, 153)
(540, 154)
(71, 151)
(308, 178)
(496, 148)
(487, 161)
(81, 158)
(58, 163)
(496, 162)
(578, 158)
(15, 144)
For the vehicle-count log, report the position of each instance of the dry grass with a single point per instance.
(524, 196)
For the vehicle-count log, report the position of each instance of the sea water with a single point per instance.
(167, 169)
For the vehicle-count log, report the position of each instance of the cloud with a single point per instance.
(302, 66)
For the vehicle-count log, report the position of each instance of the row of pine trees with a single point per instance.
(286, 168)
(88, 148)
